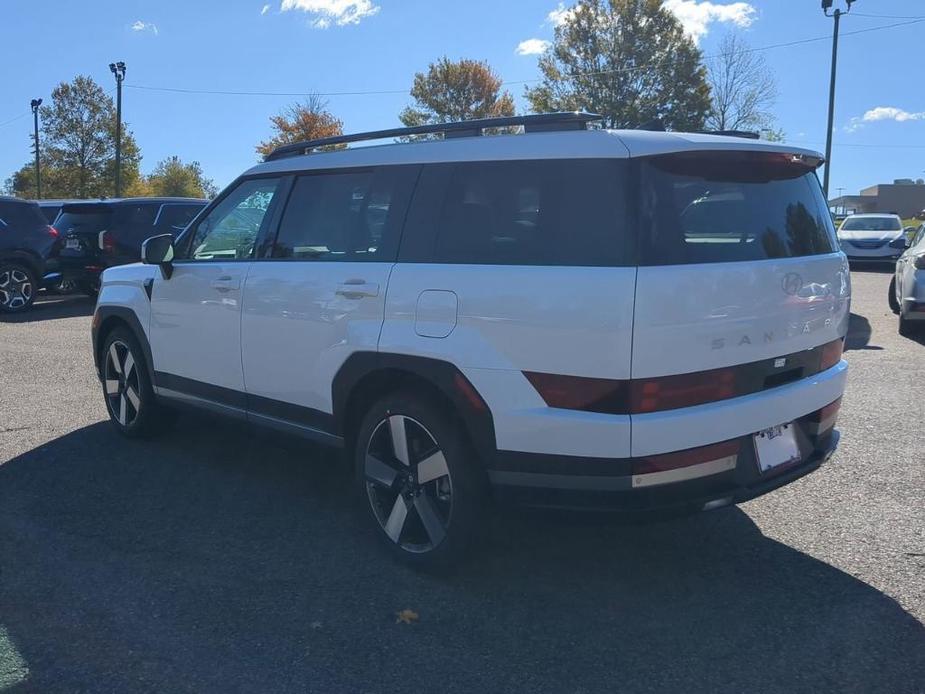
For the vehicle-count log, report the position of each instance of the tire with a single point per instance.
(18, 287)
(907, 328)
(891, 296)
(426, 495)
(130, 400)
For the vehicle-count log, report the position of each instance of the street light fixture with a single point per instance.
(836, 14)
(118, 70)
(35, 103)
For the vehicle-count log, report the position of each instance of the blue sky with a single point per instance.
(337, 46)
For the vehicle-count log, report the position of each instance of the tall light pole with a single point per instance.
(118, 69)
(35, 103)
(837, 13)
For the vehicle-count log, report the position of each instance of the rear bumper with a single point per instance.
(559, 482)
(79, 268)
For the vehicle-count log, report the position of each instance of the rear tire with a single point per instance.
(18, 286)
(130, 400)
(419, 480)
(907, 328)
(891, 296)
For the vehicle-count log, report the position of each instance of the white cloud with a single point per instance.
(328, 12)
(265, 9)
(883, 113)
(696, 17)
(532, 47)
(560, 15)
(145, 26)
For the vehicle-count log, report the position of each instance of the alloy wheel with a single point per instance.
(408, 483)
(15, 288)
(121, 384)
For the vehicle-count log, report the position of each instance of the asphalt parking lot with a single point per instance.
(214, 560)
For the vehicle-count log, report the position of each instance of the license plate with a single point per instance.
(72, 244)
(776, 446)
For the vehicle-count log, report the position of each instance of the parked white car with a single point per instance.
(907, 288)
(872, 238)
(566, 317)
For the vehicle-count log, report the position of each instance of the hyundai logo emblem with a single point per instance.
(792, 283)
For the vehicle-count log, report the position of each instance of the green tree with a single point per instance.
(454, 91)
(79, 135)
(309, 120)
(628, 60)
(172, 178)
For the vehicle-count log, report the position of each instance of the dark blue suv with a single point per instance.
(28, 250)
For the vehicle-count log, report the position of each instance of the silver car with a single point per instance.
(907, 288)
(872, 238)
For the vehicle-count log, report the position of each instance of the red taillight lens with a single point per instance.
(824, 418)
(671, 392)
(52, 231)
(580, 393)
(106, 242)
(681, 459)
(831, 354)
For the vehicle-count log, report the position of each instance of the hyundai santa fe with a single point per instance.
(567, 317)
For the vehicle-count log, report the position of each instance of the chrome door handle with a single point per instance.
(357, 289)
(226, 283)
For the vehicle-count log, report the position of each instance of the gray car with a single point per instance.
(907, 288)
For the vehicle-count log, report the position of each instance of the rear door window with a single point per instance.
(345, 215)
(714, 207)
(550, 212)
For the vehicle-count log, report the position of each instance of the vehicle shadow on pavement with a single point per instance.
(53, 307)
(212, 560)
(859, 332)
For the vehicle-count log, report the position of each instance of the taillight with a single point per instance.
(52, 231)
(580, 393)
(831, 354)
(824, 418)
(106, 242)
(671, 392)
(674, 467)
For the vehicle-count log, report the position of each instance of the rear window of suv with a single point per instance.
(20, 216)
(84, 218)
(872, 224)
(713, 207)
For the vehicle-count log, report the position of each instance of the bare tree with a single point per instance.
(743, 89)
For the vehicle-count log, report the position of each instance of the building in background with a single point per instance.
(903, 196)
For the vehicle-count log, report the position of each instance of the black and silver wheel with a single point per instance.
(420, 480)
(127, 389)
(17, 288)
(891, 296)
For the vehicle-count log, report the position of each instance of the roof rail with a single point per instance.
(747, 134)
(535, 123)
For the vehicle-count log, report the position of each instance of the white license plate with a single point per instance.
(776, 446)
(73, 244)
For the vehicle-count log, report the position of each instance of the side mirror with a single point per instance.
(158, 250)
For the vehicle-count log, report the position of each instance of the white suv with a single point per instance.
(566, 317)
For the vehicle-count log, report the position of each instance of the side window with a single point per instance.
(551, 212)
(230, 230)
(174, 218)
(344, 216)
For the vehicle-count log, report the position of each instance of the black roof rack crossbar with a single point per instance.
(539, 122)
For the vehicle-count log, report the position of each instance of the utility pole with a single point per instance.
(35, 103)
(118, 70)
(826, 6)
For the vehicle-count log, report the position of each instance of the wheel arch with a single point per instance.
(108, 318)
(23, 257)
(367, 376)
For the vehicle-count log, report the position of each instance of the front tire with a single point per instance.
(419, 480)
(130, 400)
(891, 296)
(18, 287)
